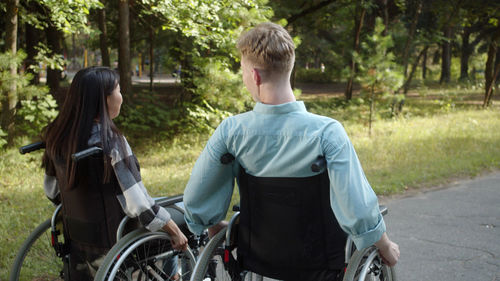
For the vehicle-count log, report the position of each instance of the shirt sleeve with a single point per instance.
(135, 199)
(209, 190)
(353, 201)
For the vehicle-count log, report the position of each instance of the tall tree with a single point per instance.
(151, 57)
(103, 36)
(359, 16)
(491, 70)
(449, 13)
(124, 67)
(446, 55)
(468, 47)
(32, 38)
(10, 100)
(54, 42)
(411, 34)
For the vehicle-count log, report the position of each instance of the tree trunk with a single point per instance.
(352, 64)
(143, 63)
(465, 54)
(397, 108)
(436, 56)
(411, 35)
(372, 109)
(9, 101)
(446, 57)
(124, 50)
(54, 38)
(103, 37)
(497, 62)
(406, 85)
(386, 17)
(151, 58)
(491, 70)
(424, 63)
(489, 89)
(32, 40)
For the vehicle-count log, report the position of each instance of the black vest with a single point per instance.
(287, 226)
(91, 210)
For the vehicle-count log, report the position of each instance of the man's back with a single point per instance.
(278, 140)
(283, 141)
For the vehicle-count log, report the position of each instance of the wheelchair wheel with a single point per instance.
(211, 266)
(366, 265)
(145, 255)
(36, 259)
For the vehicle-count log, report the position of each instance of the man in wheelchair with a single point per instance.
(287, 228)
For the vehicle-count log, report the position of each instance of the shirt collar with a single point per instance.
(294, 106)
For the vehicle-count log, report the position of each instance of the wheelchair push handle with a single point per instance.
(76, 156)
(94, 150)
(31, 147)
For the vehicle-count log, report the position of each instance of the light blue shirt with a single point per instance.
(283, 141)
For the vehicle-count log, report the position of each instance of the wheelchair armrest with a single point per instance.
(383, 210)
(166, 201)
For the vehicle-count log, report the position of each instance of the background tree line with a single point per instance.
(380, 45)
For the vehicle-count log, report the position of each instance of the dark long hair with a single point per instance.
(85, 104)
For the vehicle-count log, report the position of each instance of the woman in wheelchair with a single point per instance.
(97, 192)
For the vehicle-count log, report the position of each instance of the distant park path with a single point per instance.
(450, 234)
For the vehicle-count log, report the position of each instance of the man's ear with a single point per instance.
(256, 76)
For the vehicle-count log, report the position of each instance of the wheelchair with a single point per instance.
(233, 254)
(137, 255)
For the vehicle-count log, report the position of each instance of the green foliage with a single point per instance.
(45, 57)
(69, 16)
(377, 66)
(148, 115)
(314, 75)
(203, 118)
(2, 138)
(221, 87)
(208, 31)
(36, 113)
(379, 75)
(36, 108)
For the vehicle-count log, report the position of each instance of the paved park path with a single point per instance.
(450, 234)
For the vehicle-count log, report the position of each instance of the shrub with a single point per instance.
(35, 107)
(314, 75)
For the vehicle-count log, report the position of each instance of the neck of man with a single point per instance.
(277, 92)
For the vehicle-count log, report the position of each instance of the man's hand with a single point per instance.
(216, 228)
(177, 238)
(388, 250)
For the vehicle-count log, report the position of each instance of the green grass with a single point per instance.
(439, 136)
(424, 151)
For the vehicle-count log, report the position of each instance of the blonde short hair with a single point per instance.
(269, 46)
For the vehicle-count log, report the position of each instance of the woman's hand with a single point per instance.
(177, 238)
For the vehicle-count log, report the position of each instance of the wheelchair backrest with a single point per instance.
(287, 225)
(91, 211)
